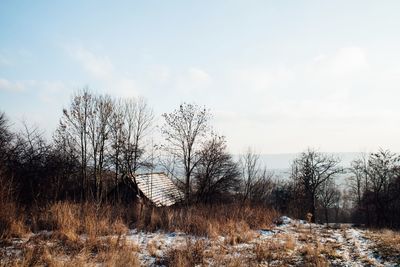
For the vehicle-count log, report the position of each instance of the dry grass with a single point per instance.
(190, 255)
(268, 251)
(153, 247)
(236, 233)
(210, 221)
(289, 242)
(63, 245)
(387, 244)
(312, 255)
(11, 221)
(88, 234)
(73, 219)
(52, 251)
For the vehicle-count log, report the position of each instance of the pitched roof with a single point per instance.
(158, 188)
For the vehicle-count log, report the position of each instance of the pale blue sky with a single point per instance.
(279, 76)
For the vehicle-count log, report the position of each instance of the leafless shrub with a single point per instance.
(191, 255)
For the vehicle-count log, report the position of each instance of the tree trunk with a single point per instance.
(313, 209)
(326, 216)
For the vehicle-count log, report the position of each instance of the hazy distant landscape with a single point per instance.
(284, 161)
(280, 164)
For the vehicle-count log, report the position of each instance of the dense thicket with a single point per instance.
(375, 186)
(102, 141)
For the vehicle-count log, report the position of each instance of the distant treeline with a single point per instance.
(101, 142)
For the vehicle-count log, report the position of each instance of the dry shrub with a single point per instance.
(64, 218)
(290, 242)
(191, 255)
(123, 257)
(156, 219)
(107, 252)
(65, 215)
(236, 261)
(17, 228)
(11, 223)
(387, 244)
(222, 257)
(97, 220)
(152, 248)
(329, 249)
(73, 219)
(312, 256)
(66, 244)
(68, 221)
(237, 232)
(305, 237)
(119, 227)
(206, 220)
(152, 218)
(36, 256)
(267, 251)
(7, 211)
(42, 257)
(201, 220)
(117, 252)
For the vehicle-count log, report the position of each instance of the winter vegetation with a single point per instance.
(75, 200)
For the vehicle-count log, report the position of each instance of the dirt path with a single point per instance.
(341, 246)
(354, 248)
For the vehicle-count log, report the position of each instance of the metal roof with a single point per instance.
(158, 188)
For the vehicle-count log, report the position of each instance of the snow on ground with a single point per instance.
(290, 243)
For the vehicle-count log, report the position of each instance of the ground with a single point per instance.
(291, 243)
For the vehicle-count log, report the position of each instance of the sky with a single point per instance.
(278, 76)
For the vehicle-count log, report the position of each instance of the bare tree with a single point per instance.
(5, 136)
(262, 187)
(251, 170)
(138, 121)
(76, 125)
(309, 171)
(99, 131)
(184, 130)
(216, 174)
(256, 183)
(375, 186)
(329, 196)
(359, 184)
(105, 130)
(382, 172)
(7, 187)
(31, 151)
(117, 140)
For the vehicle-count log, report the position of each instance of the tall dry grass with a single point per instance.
(42, 252)
(205, 220)
(11, 217)
(386, 244)
(87, 234)
(190, 255)
(74, 219)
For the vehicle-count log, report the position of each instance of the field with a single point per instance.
(198, 236)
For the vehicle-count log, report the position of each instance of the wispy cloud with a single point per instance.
(13, 86)
(47, 91)
(98, 66)
(101, 69)
(328, 97)
(345, 62)
(191, 80)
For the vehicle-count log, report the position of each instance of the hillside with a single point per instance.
(291, 243)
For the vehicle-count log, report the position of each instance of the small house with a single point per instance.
(156, 188)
